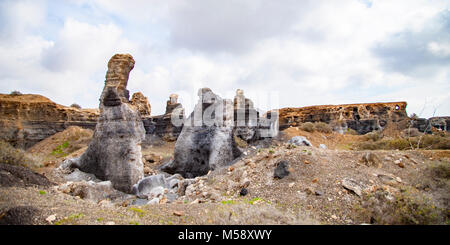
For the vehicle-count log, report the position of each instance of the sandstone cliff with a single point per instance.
(29, 118)
(363, 118)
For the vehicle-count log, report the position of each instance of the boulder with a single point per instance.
(281, 170)
(206, 141)
(94, 191)
(300, 141)
(352, 186)
(114, 153)
(154, 186)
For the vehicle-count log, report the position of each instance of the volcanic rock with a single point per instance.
(168, 126)
(115, 151)
(206, 141)
(281, 170)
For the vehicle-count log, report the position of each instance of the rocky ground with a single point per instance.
(317, 186)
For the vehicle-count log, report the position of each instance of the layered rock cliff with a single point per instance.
(362, 118)
(27, 119)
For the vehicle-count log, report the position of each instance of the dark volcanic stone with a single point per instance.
(21, 215)
(205, 145)
(11, 175)
(243, 192)
(282, 170)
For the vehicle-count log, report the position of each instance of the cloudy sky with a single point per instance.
(301, 52)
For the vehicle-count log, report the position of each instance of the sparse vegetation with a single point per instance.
(408, 206)
(322, 127)
(13, 156)
(351, 131)
(411, 132)
(308, 127)
(69, 220)
(240, 142)
(373, 136)
(15, 93)
(398, 143)
(59, 150)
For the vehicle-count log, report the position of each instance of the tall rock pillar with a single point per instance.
(115, 150)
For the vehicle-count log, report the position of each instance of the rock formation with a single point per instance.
(141, 104)
(206, 141)
(27, 119)
(245, 117)
(162, 125)
(114, 153)
(427, 125)
(362, 118)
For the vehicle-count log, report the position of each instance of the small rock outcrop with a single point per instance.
(206, 141)
(162, 126)
(154, 186)
(363, 118)
(114, 153)
(141, 104)
(300, 141)
(250, 125)
(281, 169)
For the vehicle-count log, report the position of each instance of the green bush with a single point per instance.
(307, 126)
(322, 127)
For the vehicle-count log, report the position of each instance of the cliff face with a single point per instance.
(27, 119)
(363, 118)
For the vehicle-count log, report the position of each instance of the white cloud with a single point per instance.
(311, 52)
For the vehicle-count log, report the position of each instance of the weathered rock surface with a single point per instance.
(141, 104)
(281, 170)
(21, 215)
(153, 186)
(11, 175)
(427, 125)
(250, 125)
(362, 118)
(115, 151)
(94, 191)
(161, 126)
(300, 141)
(27, 119)
(206, 141)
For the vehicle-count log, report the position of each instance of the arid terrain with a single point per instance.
(225, 163)
(415, 182)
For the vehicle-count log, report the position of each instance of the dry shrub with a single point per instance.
(373, 136)
(408, 206)
(240, 142)
(322, 127)
(74, 105)
(411, 132)
(307, 126)
(430, 142)
(351, 131)
(15, 93)
(13, 156)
